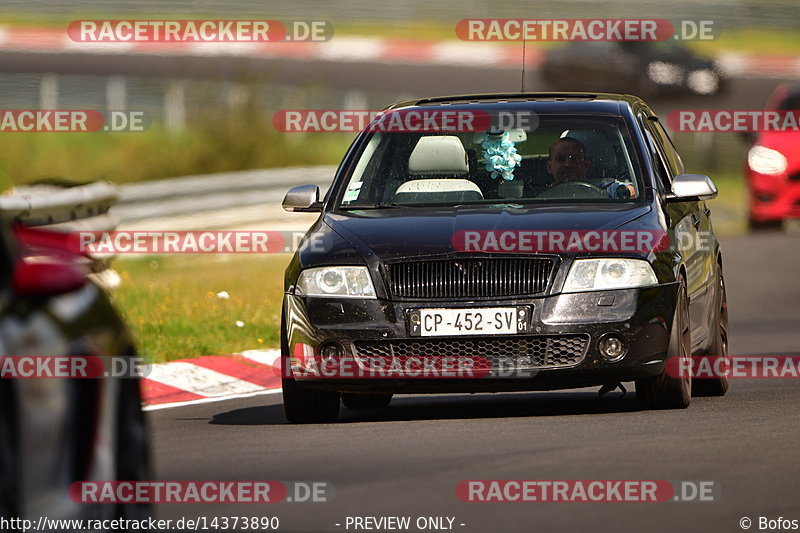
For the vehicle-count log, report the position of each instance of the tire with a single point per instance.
(719, 346)
(308, 406)
(366, 401)
(133, 450)
(664, 391)
(304, 406)
(9, 487)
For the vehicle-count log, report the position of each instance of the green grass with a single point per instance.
(171, 303)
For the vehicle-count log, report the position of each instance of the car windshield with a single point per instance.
(562, 159)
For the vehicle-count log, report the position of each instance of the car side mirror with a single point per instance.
(692, 187)
(303, 199)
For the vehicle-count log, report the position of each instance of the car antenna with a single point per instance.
(523, 65)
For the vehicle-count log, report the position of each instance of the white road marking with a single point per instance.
(199, 380)
(264, 357)
(207, 400)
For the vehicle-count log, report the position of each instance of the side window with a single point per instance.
(673, 158)
(657, 158)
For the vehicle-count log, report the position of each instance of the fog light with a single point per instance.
(612, 347)
(331, 350)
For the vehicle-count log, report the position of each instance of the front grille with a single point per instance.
(470, 277)
(489, 353)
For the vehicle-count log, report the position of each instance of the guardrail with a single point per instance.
(62, 208)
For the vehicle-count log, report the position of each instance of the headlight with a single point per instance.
(343, 282)
(703, 81)
(605, 274)
(766, 161)
(664, 73)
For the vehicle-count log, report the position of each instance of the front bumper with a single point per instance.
(559, 349)
(774, 197)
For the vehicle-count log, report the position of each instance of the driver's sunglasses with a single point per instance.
(571, 157)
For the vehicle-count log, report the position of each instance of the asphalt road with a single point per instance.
(407, 460)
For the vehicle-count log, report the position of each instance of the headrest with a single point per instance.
(438, 155)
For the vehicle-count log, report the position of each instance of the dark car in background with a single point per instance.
(55, 431)
(379, 277)
(644, 68)
(773, 167)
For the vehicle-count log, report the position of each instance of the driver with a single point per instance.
(568, 162)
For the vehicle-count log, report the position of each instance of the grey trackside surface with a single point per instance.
(407, 460)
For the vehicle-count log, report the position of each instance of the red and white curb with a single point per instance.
(355, 49)
(210, 379)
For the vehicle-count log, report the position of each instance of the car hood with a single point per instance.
(397, 233)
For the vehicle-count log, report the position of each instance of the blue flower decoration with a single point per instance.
(500, 155)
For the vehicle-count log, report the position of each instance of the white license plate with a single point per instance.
(479, 321)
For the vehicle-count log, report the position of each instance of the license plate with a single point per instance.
(478, 321)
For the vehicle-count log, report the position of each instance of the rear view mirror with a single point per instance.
(304, 199)
(687, 187)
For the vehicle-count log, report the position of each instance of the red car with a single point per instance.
(773, 168)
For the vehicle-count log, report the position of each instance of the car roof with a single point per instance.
(541, 102)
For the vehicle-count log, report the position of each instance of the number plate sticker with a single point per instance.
(478, 321)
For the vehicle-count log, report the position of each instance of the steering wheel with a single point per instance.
(573, 189)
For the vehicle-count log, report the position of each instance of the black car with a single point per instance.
(399, 277)
(58, 430)
(644, 68)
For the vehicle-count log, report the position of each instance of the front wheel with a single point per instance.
(303, 406)
(719, 347)
(664, 391)
(308, 406)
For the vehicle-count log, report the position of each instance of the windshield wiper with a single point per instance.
(380, 205)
